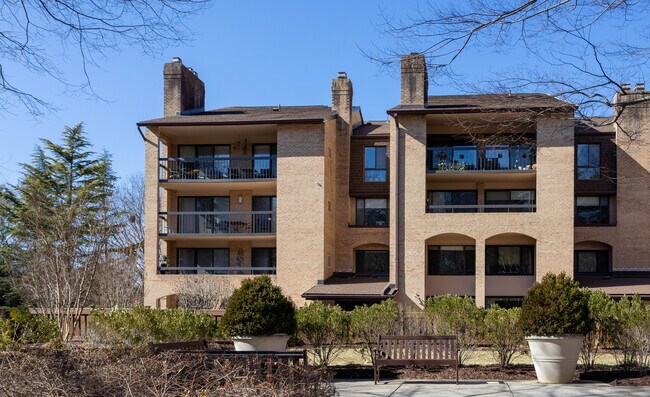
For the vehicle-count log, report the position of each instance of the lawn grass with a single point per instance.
(351, 356)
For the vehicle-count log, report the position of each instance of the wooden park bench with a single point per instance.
(201, 345)
(415, 350)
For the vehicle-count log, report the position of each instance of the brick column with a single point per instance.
(480, 273)
(151, 207)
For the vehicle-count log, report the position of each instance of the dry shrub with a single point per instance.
(199, 293)
(83, 372)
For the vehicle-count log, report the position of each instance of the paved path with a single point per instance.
(401, 388)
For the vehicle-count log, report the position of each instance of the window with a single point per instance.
(208, 258)
(451, 260)
(264, 257)
(439, 199)
(263, 163)
(506, 302)
(202, 222)
(592, 210)
(372, 212)
(204, 161)
(372, 263)
(511, 200)
(375, 164)
(595, 263)
(509, 259)
(588, 161)
(264, 222)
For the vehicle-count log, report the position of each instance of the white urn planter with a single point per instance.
(555, 357)
(272, 343)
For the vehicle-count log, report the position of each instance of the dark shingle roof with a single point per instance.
(372, 128)
(350, 287)
(595, 125)
(486, 103)
(618, 286)
(249, 115)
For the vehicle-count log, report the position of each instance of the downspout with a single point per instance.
(397, 203)
(141, 133)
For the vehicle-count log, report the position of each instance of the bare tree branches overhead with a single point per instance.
(579, 50)
(39, 36)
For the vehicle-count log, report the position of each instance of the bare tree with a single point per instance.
(204, 293)
(58, 276)
(119, 278)
(567, 44)
(37, 36)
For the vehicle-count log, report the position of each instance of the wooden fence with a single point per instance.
(82, 325)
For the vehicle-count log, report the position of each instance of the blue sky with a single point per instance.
(247, 53)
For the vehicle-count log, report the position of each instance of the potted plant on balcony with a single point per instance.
(259, 317)
(555, 316)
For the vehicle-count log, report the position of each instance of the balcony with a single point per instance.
(252, 223)
(455, 209)
(165, 269)
(202, 169)
(464, 159)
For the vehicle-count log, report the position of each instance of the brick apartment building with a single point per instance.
(476, 195)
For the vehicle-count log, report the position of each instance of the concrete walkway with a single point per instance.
(417, 388)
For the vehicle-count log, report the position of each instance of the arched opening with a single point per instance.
(450, 265)
(371, 260)
(510, 262)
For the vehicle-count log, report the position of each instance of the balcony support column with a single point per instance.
(151, 209)
(480, 273)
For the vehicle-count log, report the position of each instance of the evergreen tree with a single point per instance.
(9, 297)
(63, 223)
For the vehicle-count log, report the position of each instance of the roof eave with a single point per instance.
(242, 122)
(541, 109)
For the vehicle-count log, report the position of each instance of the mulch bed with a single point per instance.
(487, 372)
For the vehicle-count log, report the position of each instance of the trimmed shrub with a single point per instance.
(556, 306)
(633, 335)
(457, 315)
(23, 327)
(325, 328)
(602, 311)
(368, 322)
(503, 334)
(258, 308)
(136, 328)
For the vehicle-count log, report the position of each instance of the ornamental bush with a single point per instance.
(556, 306)
(368, 322)
(22, 327)
(457, 315)
(258, 308)
(136, 328)
(325, 328)
(502, 333)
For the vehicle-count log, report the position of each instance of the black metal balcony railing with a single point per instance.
(164, 269)
(218, 168)
(217, 223)
(453, 209)
(473, 158)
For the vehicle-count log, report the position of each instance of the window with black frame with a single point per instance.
(372, 212)
(592, 210)
(203, 258)
(265, 222)
(451, 260)
(592, 263)
(203, 161)
(437, 200)
(263, 158)
(588, 161)
(505, 302)
(203, 222)
(264, 257)
(372, 263)
(510, 200)
(375, 164)
(510, 260)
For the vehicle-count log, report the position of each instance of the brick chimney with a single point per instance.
(415, 80)
(184, 91)
(342, 97)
